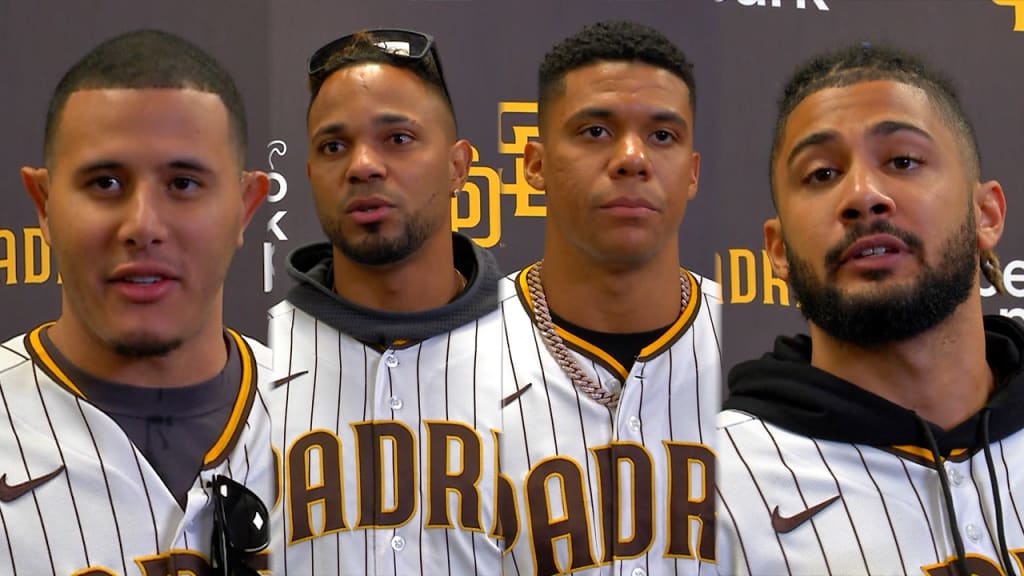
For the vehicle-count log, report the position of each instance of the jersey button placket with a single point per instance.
(955, 477)
(973, 533)
(398, 543)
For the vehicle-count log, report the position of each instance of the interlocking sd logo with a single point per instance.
(1018, 12)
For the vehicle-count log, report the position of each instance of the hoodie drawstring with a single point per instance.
(1004, 555)
(947, 496)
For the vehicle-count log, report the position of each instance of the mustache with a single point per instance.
(859, 230)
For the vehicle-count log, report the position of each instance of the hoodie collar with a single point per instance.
(784, 389)
(312, 266)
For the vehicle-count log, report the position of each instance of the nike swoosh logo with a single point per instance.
(515, 395)
(289, 378)
(783, 524)
(9, 493)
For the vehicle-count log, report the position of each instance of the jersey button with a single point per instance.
(634, 425)
(955, 477)
(395, 402)
(639, 572)
(397, 543)
(390, 360)
(973, 533)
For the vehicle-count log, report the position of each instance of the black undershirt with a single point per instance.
(172, 427)
(624, 347)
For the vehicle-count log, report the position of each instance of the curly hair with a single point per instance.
(611, 41)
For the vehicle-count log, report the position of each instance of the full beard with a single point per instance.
(887, 315)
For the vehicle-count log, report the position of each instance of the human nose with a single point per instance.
(366, 164)
(143, 222)
(631, 158)
(864, 196)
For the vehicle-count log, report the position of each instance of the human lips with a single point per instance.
(629, 206)
(872, 253)
(368, 210)
(143, 282)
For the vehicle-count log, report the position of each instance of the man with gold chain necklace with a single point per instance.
(611, 361)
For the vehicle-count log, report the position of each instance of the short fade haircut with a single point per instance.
(867, 62)
(364, 49)
(147, 59)
(611, 41)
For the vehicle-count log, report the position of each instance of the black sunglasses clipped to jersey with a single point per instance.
(241, 527)
(394, 41)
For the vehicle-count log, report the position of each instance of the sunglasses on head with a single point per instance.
(241, 527)
(407, 44)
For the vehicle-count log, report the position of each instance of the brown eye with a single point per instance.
(904, 163)
(183, 183)
(663, 136)
(330, 147)
(821, 175)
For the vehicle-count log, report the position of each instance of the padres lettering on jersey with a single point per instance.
(388, 456)
(77, 497)
(595, 492)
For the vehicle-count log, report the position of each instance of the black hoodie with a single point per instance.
(784, 389)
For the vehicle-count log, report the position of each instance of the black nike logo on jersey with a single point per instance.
(289, 378)
(783, 524)
(515, 395)
(9, 493)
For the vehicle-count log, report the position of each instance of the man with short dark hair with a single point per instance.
(612, 365)
(886, 442)
(386, 427)
(132, 428)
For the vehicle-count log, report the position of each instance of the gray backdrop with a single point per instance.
(743, 50)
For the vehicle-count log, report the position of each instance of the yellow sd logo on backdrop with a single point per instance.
(1018, 12)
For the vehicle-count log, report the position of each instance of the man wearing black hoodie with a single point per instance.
(391, 337)
(885, 441)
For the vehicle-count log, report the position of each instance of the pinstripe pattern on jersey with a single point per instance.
(239, 411)
(448, 379)
(892, 519)
(548, 425)
(109, 509)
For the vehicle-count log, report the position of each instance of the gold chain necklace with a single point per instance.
(556, 346)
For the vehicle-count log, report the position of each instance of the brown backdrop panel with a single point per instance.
(743, 50)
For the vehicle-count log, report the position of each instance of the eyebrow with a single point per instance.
(594, 112)
(884, 128)
(189, 164)
(387, 119)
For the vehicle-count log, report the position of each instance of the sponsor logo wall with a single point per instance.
(743, 51)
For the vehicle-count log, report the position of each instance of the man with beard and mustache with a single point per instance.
(885, 442)
(391, 337)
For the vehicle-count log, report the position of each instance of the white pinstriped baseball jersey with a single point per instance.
(77, 497)
(834, 480)
(389, 452)
(603, 493)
